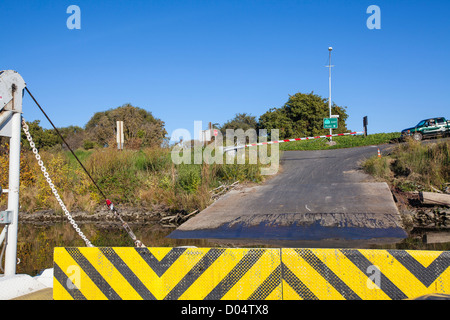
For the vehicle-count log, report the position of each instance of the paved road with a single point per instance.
(319, 198)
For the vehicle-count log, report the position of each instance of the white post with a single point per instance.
(120, 136)
(13, 194)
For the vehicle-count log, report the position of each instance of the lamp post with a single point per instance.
(329, 85)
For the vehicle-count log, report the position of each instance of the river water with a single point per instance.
(36, 242)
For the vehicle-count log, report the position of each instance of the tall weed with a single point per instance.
(414, 164)
(145, 177)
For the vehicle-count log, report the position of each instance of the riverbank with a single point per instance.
(101, 215)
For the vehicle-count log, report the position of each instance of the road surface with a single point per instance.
(319, 198)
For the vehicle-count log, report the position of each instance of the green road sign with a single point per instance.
(330, 123)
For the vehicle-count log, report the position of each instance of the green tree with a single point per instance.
(73, 135)
(42, 138)
(302, 115)
(276, 119)
(139, 126)
(242, 121)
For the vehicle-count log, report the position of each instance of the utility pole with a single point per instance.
(329, 85)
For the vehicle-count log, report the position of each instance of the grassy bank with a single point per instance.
(413, 166)
(341, 142)
(146, 177)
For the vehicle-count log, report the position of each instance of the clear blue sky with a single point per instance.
(208, 60)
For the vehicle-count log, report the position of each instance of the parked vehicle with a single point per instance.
(428, 128)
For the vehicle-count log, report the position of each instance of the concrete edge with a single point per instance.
(12, 287)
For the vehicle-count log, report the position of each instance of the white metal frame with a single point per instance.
(11, 93)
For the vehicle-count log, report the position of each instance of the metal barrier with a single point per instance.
(247, 274)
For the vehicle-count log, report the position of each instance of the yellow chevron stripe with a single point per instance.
(142, 270)
(68, 264)
(424, 257)
(160, 252)
(160, 286)
(107, 270)
(322, 289)
(350, 274)
(289, 293)
(276, 294)
(213, 275)
(62, 293)
(442, 284)
(255, 276)
(397, 273)
(180, 268)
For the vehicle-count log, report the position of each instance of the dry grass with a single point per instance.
(144, 177)
(414, 166)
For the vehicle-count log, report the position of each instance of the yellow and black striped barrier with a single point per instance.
(247, 274)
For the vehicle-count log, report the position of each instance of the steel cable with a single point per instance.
(110, 206)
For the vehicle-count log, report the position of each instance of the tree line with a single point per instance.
(141, 129)
(302, 115)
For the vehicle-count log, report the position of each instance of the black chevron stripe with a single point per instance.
(204, 263)
(327, 274)
(426, 275)
(93, 274)
(127, 273)
(268, 285)
(63, 280)
(297, 285)
(250, 258)
(160, 267)
(360, 261)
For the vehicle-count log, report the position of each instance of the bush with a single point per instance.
(189, 177)
(88, 144)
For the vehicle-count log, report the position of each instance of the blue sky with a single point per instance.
(208, 60)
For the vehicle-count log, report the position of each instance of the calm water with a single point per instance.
(36, 242)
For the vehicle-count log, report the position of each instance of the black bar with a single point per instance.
(365, 123)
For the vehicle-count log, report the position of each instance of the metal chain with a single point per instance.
(52, 186)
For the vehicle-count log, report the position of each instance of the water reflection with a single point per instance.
(36, 242)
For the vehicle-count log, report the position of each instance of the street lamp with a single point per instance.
(329, 85)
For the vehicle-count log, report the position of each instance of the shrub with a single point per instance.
(189, 177)
(88, 144)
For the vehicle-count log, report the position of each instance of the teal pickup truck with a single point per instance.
(428, 128)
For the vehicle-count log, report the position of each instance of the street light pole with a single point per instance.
(329, 85)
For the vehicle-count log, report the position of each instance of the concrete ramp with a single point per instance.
(351, 207)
